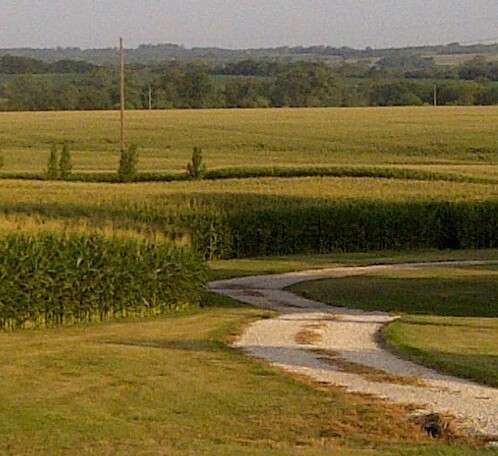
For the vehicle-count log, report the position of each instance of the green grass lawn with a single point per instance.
(451, 314)
(173, 386)
(466, 347)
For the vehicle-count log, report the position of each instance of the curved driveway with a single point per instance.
(340, 346)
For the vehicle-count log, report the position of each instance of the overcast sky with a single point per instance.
(246, 23)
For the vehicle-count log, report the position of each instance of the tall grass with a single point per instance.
(50, 280)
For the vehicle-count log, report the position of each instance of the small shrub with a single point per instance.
(53, 165)
(65, 166)
(196, 169)
(128, 164)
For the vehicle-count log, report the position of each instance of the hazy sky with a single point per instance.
(246, 23)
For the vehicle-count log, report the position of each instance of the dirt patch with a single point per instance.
(310, 334)
(370, 373)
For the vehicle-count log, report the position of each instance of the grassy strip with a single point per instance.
(465, 347)
(172, 386)
(225, 269)
(260, 172)
(344, 171)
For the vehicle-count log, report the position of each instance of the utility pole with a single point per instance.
(122, 92)
(435, 94)
(150, 97)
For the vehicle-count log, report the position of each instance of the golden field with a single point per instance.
(462, 139)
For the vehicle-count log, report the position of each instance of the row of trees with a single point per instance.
(407, 65)
(59, 165)
(153, 53)
(246, 84)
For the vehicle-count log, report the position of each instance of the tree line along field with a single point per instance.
(311, 77)
(460, 140)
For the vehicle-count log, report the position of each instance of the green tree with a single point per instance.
(12, 64)
(65, 166)
(196, 88)
(307, 84)
(246, 92)
(53, 165)
(393, 93)
(128, 164)
(196, 168)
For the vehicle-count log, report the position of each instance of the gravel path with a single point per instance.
(340, 346)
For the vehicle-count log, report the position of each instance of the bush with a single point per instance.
(50, 280)
(196, 169)
(52, 165)
(65, 166)
(128, 164)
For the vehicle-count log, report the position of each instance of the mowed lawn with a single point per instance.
(173, 386)
(461, 138)
(450, 314)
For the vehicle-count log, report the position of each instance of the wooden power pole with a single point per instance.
(122, 92)
(435, 94)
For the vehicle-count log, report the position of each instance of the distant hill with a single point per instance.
(148, 53)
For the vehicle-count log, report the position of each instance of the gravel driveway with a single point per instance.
(340, 346)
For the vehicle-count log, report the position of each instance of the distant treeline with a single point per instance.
(404, 79)
(154, 53)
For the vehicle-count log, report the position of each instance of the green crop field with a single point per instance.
(252, 217)
(462, 138)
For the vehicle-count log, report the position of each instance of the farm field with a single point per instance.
(211, 214)
(414, 137)
(172, 384)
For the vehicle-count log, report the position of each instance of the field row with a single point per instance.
(251, 217)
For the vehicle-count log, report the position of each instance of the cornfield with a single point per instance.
(49, 280)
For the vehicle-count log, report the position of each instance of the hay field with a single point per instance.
(408, 137)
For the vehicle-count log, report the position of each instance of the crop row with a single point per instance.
(262, 172)
(241, 218)
(234, 226)
(231, 229)
(50, 280)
